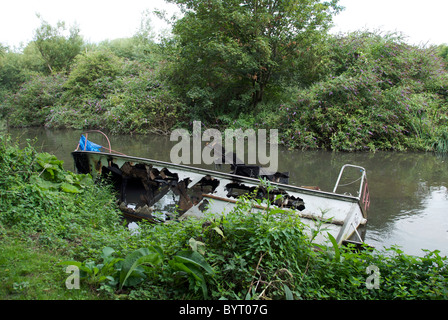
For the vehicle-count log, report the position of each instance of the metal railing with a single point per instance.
(363, 193)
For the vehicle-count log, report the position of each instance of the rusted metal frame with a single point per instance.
(185, 202)
(107, 138)
(181, 187)
(366, 196)
(224, 176)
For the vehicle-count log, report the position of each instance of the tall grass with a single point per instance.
(441, 144)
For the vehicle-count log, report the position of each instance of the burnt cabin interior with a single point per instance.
(144, 185)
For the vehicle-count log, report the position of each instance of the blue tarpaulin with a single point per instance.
(90, 145)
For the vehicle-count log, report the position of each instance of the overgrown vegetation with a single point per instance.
(48, 203)
(264, 65)
(380, 93)
(54, 219)
(232, 52)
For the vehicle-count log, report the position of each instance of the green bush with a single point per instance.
(131, 99)
(141, 103)
(380, 94)
(39, 198)
(87, 69)
(34, 101)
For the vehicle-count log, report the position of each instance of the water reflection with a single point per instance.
(409, 199)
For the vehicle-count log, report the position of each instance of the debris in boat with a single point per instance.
(236, 190)
(155, 195)
(238, 167)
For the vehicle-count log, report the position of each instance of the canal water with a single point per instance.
(408, 190)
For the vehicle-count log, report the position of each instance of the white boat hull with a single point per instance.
(338, 214)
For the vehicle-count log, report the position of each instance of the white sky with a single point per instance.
(98, 20)
(423, 22)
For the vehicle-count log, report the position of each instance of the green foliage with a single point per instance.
(443, 53)
(131, 270)
(141, 104)
(245, 254)
(134, 100)
(380, 94)
(16, 68)
(131, 273)
(140, 47)
(11, 71)
(441, 142)
(266, 255)
(112, 271)
(87, 70)
(40, 198)
(52, 176)
(193, 264)
(30, 272)
(57, 50)
(102, 91)
(34, 101)
(230, 52)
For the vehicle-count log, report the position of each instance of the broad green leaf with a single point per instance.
(194, 258)
(288, 293)
(335, 247)
(191, 270)
(197, 245)
(44, 184)
(159, 250)
(69, 188)
(137, 258)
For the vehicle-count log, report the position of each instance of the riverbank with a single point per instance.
(408, 189)
(372, 92)
(237, 257)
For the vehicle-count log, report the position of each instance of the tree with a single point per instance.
(13, 71)
(18, 67)
(58, 49)
(230, 51)
(380, 93)
(2, 50)
(443, 53)
(88, 69)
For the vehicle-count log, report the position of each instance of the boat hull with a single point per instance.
(153, 190)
